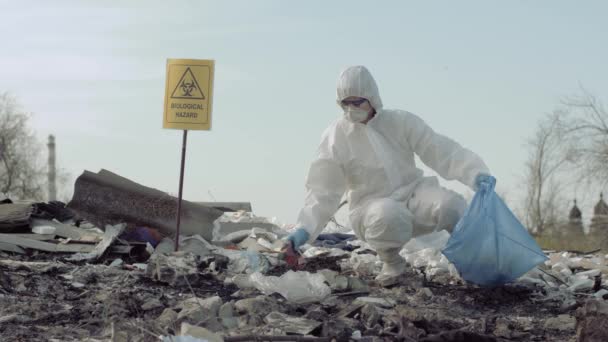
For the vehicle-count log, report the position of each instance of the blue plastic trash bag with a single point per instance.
(489, 246)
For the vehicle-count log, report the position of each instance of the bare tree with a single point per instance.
(21, 166)
(585, 127)
(548, 155)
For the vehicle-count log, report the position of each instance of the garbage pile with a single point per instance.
(66, 277)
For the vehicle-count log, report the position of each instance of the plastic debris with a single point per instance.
(435, 241)
(116, 263)
(178, 268)
(382, 302)
(194, 244)
(291, 325)
(297, 287)
(43, 230)
(318, 251)
(362, 264)
(601, 294)
(248, 262)
(581, 284)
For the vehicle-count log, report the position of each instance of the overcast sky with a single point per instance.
(481, 72)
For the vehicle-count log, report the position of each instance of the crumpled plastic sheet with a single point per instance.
(297, 287)
(243, 216)
(246, 217)
(183, 339)
(425, 252)
(432, 261)
(435, 240)
(244, 261)
(260, 240)
(362, 264)
(328, 252)
(194, 244)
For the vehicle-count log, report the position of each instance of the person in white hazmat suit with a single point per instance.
(368, 153)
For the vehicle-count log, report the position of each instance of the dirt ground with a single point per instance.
(72, 302)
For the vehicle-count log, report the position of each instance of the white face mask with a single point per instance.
(355, 114)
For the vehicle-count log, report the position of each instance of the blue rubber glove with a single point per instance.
(484, 179)
(298, 238)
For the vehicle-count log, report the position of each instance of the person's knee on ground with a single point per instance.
(388, 226)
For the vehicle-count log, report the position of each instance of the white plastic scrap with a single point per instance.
(260, 240)
(533, 276)
(317, 251)
(243, 216)
(43, 230)
(245, 261)
(173, 338)
(435, 240)
(235, 237)
(425, 252)
(297, 287)
(581, 284)
(363, 264)
(601, 293)
(382, 302)
(589, 274)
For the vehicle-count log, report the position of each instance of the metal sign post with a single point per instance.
(188, 102)
(181, 187)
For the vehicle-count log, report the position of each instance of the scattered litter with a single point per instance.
(601, 294)
(382, 302)
(201, 312)
(435, 241)
(129, 283)
(179, 268)
(69, 231)
(323, 251)
(581, 284)
(289, 324)
(116, 263)
(297, 287)
(246, 262)
(194, 244)
(191, 333)
(43, 230)
(231, 222)
(362, 264)
(110, 235)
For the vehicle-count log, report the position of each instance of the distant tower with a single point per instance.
(51, 170)
(574, 227)
(575, 214)
(599, 222)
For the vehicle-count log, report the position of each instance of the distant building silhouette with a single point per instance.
(599, 221)
(573, 227)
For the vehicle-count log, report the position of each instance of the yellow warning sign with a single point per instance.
(188, 94)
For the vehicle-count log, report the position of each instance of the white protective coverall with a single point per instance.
(389, 198)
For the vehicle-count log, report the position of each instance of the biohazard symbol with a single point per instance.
(187, 87)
